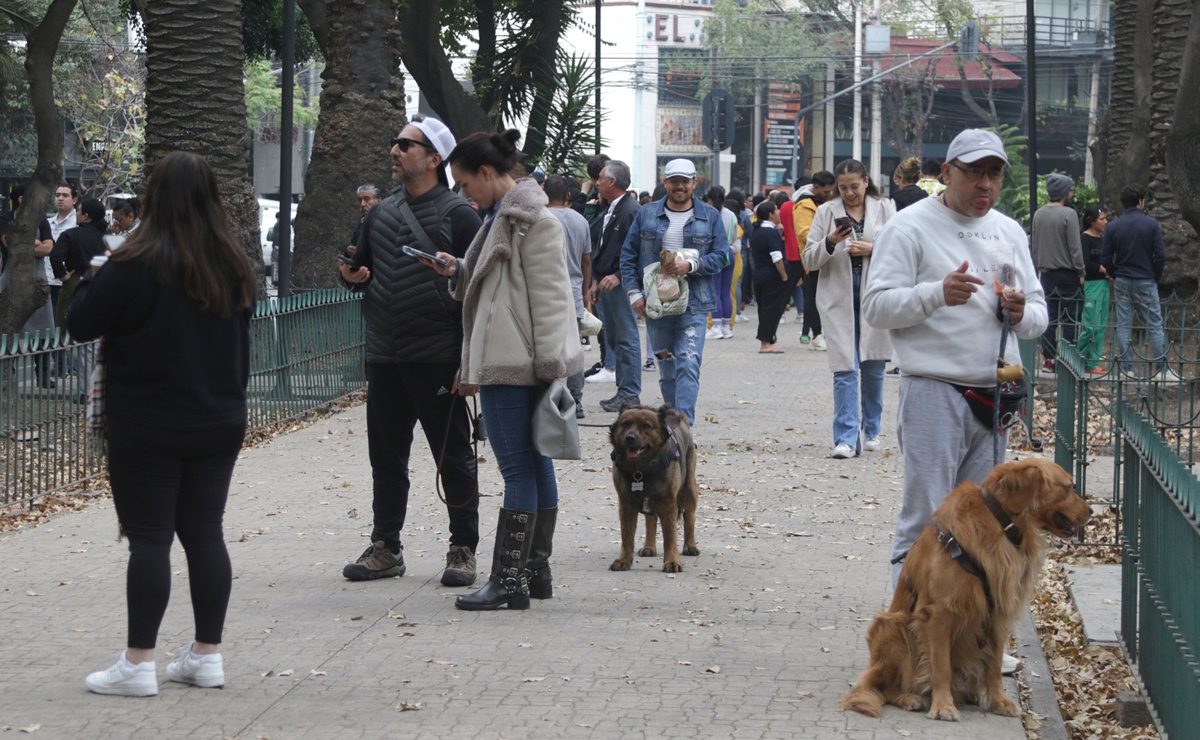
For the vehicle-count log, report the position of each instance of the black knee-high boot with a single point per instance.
(509, 581)
(540, 584)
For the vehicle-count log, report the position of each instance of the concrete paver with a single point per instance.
(756, 638)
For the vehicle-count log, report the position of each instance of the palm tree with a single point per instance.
(195, 98)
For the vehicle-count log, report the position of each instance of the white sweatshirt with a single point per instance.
(912, 255)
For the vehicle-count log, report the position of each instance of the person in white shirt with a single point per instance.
(933, 286)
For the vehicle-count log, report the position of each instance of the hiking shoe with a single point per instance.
(618, 403)
(376, 562)
(125, 679)
(205, 671)
(460, 567)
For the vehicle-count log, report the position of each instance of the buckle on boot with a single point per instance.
(518, 536)
(523, 519)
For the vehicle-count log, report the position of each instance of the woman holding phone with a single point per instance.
(173, 307)
(519, 334)
(839, 245)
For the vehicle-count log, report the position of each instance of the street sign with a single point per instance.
(718, 121)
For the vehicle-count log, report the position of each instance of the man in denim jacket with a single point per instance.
(678, 221)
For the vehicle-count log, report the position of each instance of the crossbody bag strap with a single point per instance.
(410, 218)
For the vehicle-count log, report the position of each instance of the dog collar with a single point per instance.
(964, 559)
(1010, 527)
(635, 479)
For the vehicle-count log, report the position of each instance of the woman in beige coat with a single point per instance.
(839, 245)
(519, 334)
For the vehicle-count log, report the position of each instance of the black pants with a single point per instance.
(772, 302)
(166, 483)
(747, 277)
(398, 396)
(812, 317)
(1064, 295)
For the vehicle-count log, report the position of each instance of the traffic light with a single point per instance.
(718, 120)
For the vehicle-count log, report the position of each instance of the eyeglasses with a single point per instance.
(404, 144)
(975, 174)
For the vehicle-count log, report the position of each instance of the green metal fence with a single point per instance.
(305, 351)
(1160, 621)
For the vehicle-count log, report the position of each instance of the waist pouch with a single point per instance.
(981, 401)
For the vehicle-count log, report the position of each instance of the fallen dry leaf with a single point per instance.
(405, 706)
(713, 669)
(31, 728)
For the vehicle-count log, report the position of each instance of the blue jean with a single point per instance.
(529, 482)
(1142, 295)
(679, 343)
(620, 324)
(846, 392)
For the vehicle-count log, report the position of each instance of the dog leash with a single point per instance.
(477, 435)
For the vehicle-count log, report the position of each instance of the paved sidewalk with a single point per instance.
(756, 638)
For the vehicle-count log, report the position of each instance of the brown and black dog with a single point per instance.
(654, 472)
(964, 583)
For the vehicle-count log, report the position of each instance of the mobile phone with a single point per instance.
(843, 223)
(349, 261)
(414, 252)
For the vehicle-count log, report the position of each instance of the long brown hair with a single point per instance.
(185, 236)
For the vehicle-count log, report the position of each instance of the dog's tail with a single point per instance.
(863, 699)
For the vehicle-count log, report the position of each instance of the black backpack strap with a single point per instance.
(410, 218)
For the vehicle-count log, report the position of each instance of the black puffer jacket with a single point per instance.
(409, 312)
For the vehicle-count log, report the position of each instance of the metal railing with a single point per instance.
(1147, 419)
(305, 351)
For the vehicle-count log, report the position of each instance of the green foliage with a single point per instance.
(1014, 196)
(571, 125)
(264, 102)
(262, 32)
(754, 43)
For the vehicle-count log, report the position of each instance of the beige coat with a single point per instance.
(835, 291)
(519, 325)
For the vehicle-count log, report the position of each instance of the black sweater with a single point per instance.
(764, 240)
(169, 365)
(75, 248)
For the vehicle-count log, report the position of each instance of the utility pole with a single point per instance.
(638, 85)
(597, 72)
(856, 151)
(876, 124)
(285, 148)
(1031, 102)
(1089, 174)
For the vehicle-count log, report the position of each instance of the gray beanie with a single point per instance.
(1058, 186)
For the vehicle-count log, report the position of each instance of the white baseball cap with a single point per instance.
(437, 134)
(679, 168)
(975, 144)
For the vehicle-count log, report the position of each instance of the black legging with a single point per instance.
(812, 317)
(168, 482)
(772, 303)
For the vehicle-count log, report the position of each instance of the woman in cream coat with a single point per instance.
(857, 352)
(519, 333)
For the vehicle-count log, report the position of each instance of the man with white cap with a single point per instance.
(414, 343)
(941, 270)
(680, 221)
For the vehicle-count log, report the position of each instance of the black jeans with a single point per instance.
(1064, 295)
(168, 482)
(812, 317)
(398, 396)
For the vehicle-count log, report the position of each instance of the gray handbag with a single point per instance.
(554, 426)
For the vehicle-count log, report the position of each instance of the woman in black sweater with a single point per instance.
(905, 177)
(173, 307)
(1095, 290)
(770, 274)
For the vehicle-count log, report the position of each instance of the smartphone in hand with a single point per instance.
(843, 223)
(418, 254)
(349, 262)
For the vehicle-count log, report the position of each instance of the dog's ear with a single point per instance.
(612, 429)
(1015, 484)
(664, 412)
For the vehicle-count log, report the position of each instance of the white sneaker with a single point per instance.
(818, 343)
(726, 332)
(604, 376)
(1008, 664)
(1167, 375)
(125, 679)
(841, 452)
(205, 671)
(872, 445)
(714, 332)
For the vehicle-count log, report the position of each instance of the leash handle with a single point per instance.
(997, 436)
(437, 479)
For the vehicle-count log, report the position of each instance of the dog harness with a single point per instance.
(635, 479)
(964, 559)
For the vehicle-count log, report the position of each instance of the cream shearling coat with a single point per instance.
(835, 293)
(519, 325)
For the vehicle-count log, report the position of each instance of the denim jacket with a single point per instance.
(703, 232)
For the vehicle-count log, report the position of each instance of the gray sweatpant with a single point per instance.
(943, 445)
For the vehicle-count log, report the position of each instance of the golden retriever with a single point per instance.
(942, 638)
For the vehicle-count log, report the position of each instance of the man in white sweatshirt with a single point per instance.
(936, 272)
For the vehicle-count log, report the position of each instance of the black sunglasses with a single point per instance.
(404, 144)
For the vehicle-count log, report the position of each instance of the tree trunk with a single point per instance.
(196, 100)
(545, 76)
(1183, 142)
(1126, 130)
(426, 61)
(362, 108)
(25, 293)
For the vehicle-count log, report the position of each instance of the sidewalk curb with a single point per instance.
(1035, 672)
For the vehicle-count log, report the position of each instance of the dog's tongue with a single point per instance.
(633, 454)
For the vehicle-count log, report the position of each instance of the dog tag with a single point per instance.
(637, 486)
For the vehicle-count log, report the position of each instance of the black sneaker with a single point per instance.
(377, 561)
(616, 403)
(650, 365)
